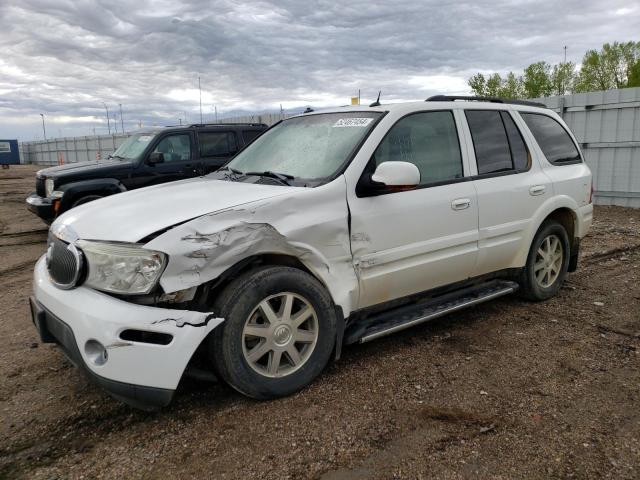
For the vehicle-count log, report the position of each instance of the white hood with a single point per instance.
(131, 216)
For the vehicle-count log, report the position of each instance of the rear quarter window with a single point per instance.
(553, 139)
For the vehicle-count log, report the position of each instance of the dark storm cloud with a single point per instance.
(64, 58)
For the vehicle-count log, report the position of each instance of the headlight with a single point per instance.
(48, 187)
(121, 267)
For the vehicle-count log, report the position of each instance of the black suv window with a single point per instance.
(429, 140)
(249, 135)
(497, 142)
(553, 139)
(217, 144)
(175, 148)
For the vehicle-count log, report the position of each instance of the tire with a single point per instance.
(539, 279)
(85, 199)
(236, 352)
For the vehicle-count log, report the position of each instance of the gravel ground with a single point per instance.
(508, 389)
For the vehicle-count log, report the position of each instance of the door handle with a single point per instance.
(461, 203)
(537, 190)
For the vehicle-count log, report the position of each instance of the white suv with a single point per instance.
(333, 227)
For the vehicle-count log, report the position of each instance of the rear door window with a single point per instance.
(553, 139)
(217, 144)
(489, 141)
(498, 144)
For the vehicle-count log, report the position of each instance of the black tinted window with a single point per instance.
(249, 135)
(217, 144)
(174, 148)
(489, 141)
(519, 151)
(429, 140)
(555, 142)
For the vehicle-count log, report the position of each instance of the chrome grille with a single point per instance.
(40, 186)
(64, 262)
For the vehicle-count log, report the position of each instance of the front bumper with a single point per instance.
(42, 207)
(144, 375)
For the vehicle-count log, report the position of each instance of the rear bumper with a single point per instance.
(42, 207)
(138, 372)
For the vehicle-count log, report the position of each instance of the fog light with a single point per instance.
(96, 353)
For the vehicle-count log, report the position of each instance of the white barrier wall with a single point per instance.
(70, 150)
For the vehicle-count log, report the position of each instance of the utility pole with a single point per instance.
(108, 121)
(180, 120)
(281, 113)
(186, 122)
(565, 54)
(215, 109)
(200, 90)
(121, 120)
(44, 132)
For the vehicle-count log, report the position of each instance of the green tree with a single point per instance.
(634, 75)
(611, 67)
(563, 77)
(537, 80)
(478, 85)
(511, 87)
(494, 84)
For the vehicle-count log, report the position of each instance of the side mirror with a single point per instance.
(155, 157)
(396, 174)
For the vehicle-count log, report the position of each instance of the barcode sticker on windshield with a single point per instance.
(145, 138)
(353, 122)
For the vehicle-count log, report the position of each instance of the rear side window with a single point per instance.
(489, 141)
(217, 144)
(553, 139)
(429, 140)
(519, 152)
(249, 135)
(497, 142)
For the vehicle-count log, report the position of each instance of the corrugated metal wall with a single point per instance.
(70, 150)
(607, 124)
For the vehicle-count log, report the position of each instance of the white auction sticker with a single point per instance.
(353, 122)
(145, 138)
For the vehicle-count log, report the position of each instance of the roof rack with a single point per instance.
(227, 124)
(452, 98)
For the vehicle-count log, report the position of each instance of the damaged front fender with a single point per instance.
(310, 224)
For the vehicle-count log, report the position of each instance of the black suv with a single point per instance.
(148, 157)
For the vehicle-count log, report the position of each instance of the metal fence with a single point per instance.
(607, 124)
(70, 150)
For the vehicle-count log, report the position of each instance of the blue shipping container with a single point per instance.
(9, 153)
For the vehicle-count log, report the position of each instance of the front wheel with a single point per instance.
(547, 262)
(278, 334)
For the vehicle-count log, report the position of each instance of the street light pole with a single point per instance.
(108, 121)
(44, 132)
(200, 90)
(121, 120)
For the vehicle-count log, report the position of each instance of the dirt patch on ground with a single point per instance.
(508, 389)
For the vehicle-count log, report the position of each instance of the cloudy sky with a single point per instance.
(64, 58)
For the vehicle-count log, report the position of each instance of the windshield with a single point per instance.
(133, 146)
(312, 147)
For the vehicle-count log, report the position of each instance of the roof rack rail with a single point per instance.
(226, 124)
(452, 98)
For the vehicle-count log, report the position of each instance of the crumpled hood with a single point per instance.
(132, 216)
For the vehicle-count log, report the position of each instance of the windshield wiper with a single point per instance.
(283, 177)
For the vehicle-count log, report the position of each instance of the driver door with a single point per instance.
(405, 242)
(179, 160)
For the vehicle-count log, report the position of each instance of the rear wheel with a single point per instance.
(278, 334)
(547, 262)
